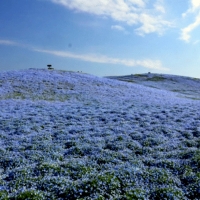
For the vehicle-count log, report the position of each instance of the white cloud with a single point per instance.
(147, 63)
(119, 28)
(130, 12)
(12, 43)
(8, 42)
(194, 10)
(194, 6)
(151, 24)
(159, 6)
(185, 32)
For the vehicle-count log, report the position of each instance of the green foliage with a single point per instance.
(30, 195)
(141, 75)
(127, 80)
(106, 185)
(3, 195)
(120, 138)
(196, 158)
(156, 78)
(196, 79)
(159, 176)
(171, 193)
(17, 95)
(135, 194)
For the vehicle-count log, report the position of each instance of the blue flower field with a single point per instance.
(68, 135)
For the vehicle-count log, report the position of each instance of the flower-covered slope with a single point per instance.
(67, 135)
(184, 86)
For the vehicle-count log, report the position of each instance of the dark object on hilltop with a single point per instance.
(49, 66)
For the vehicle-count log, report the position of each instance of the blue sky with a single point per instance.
(101, 37)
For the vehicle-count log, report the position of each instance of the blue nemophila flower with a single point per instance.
(66, 135)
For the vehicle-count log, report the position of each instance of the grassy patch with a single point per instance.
(153, 87)
(140, 75)
(3, 195)
(196, 79)
(30, 194)
(126, 80)
(193, 98)
(156, 78)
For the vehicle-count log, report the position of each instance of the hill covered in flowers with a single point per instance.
(184, 86)
(67, 135)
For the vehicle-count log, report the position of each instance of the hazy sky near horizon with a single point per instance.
(101, 37)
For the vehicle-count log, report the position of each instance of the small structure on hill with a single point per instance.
(49, 66)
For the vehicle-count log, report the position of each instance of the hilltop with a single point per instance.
(185, 86)
(69, 135)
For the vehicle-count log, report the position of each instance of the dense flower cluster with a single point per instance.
(66, 135)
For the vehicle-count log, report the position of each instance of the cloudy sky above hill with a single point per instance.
(101, 37)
